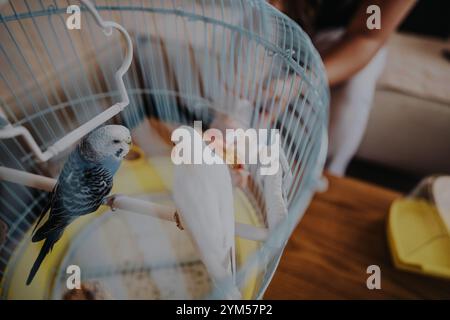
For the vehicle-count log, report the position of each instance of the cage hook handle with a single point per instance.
(107, 28)
(8, 131)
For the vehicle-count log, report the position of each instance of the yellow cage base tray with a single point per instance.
(135, 177)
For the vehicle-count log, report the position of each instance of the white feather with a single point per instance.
(204, 198)
(107, 140)
(275, 193)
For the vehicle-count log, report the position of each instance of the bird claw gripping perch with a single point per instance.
(109, 201)
(177, 219)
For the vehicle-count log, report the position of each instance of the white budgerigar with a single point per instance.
(85, 181)
(275, 192)
(204, 198)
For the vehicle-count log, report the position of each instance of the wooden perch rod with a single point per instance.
(123, 202)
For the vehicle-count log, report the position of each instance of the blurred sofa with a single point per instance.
(409, 125)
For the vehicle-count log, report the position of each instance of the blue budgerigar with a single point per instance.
(85, 181)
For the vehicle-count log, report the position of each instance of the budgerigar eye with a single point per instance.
(116, 141)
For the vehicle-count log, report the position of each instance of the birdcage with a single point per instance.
(152, 66)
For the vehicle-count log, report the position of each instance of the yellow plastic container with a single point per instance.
(418, 237)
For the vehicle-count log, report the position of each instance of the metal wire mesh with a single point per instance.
(193, 61)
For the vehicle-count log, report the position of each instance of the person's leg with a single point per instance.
(349, 106)
(349, 112)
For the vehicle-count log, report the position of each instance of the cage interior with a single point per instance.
(234, 64)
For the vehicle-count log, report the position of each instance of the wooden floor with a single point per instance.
(341, 234)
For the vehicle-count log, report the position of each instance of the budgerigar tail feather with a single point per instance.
(40, 218)
(50, 227)
(44, 211)
(46, 248)
(233, 263)
(234, 294)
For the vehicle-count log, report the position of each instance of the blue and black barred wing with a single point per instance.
(81, 190)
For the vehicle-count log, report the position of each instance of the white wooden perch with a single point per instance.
(126, 203)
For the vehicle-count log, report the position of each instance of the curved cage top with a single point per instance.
(193, 60)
